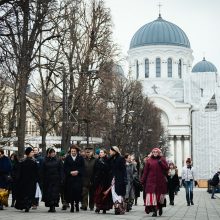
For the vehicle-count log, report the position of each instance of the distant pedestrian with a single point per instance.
(173, 182)
(155, 183)
(74, 171)
(119, 179)
(131, 175)
(188, 179)
(214, 183)
(102, 182)
(27, 177)
(52, 176)
(5, 169)
(88, 177)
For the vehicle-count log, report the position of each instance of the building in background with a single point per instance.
(160, 56)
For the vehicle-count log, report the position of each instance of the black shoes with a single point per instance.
(171, 203)
(154, 214)
(160, 210)
(192, 203)
(188, 204)
(52, 209)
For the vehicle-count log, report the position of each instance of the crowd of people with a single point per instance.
(100, 182)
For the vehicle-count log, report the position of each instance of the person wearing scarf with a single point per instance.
(173, 182)
(155, 183)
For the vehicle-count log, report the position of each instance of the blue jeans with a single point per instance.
(189, 191)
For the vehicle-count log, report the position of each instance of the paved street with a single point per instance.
(204, 209)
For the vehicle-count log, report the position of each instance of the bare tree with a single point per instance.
(21, 23)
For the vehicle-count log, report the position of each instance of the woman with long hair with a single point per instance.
(173, 182)
(155, 183)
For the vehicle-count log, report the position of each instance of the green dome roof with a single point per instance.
(204, 66)
(160, 32)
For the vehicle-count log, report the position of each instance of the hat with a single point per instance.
(88, 148)
(51, 150)
(116, 149)
(28, 150)
(97, 151)
(188, 160)
(156, 149)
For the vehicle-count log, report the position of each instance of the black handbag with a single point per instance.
(137, 184)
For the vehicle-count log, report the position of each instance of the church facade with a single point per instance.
(160, 56)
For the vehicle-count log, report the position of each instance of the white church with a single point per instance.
(188, 94)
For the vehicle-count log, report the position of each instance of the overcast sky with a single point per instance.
(199, 19)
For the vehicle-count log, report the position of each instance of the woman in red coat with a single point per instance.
(155, 182)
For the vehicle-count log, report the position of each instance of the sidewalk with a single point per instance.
(205, 208)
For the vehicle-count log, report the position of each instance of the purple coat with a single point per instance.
(154, 176)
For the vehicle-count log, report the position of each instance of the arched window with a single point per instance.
(137, 69)
(146, 68)
(180, 68)
(169, 67)
(158, 67)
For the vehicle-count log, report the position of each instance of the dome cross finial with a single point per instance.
(159, 5)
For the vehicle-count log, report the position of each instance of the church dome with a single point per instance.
(204, 66)
(160, 32)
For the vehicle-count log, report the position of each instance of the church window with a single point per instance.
(137, 69)
(169, 67)
(180, 68)
(158, 67)
(146, 68)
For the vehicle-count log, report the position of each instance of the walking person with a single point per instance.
(173, 182)
(155, 183)
(88, 184)
(102, 182)
(52, 176)
(131, 171)
(39, 160)
(74, 171)
(27, 177)
(14, 162)
(5, 170)
(188, 178)
(137, 188)
(119, 179)
(214, 183)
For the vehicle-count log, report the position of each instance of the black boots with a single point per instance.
(154, 211)
(77, 207)
(52, 209)
(160, 210)
(72, 207)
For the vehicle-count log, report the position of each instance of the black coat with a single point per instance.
(118, 170)
(5, 169)
(73, 184)
(173, 182)
(102, 175)
(52, 176)
(26, 180)
(215, 180)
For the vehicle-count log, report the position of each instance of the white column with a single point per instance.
(187, 152)
(171, 149)
(179, 154)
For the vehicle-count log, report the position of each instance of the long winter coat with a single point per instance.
(118, 170)
(26, 180)
(73, 184)
(173, 182)
(5, 169)
(52, 176)
(131, 174)
(154, 176)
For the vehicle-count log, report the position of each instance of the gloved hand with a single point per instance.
(183, 183)
(196, 183)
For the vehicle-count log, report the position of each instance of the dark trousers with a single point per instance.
(213, 190)
(88, 194)
(171, 195)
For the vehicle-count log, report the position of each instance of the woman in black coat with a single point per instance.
(119, 181)
(52, 175)
(26, 181)
(102, 182)
(173, 182)
(73, 169)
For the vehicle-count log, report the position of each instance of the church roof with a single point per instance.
(160, 32)
(204, 66)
